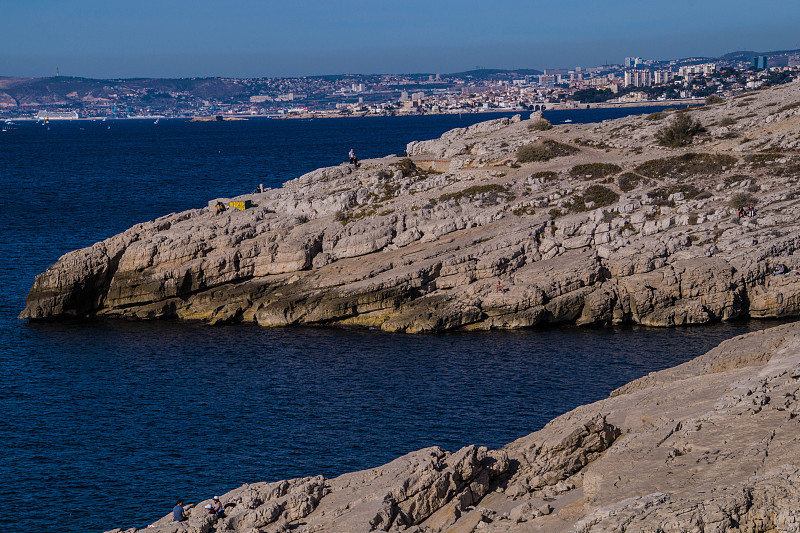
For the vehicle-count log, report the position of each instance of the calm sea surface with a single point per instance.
(107, 423)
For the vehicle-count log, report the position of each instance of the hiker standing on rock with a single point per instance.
(353, 158)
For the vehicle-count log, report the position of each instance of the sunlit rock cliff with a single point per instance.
(503, 224)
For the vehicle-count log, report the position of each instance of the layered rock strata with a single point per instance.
(710, 445)
(499, 225)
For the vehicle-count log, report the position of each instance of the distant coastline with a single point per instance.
(547, 107)
(572, 106)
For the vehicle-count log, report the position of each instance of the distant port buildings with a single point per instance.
(57, 115)
(634, 80)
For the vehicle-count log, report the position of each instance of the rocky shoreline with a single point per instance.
(710, 445)
(503, 224)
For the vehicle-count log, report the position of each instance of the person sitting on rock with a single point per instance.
(218, 510)
(751, 212)
(209, 509)
(220, 207)
(178, 514)
(741, 212)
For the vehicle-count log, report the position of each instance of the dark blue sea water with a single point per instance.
(106, 423)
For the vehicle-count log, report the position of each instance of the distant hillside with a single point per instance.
(62, 90)
(486, 73)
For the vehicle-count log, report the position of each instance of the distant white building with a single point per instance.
(638, 78)
(633, 61)
(57, 115)
(662, 76)
(694, 70)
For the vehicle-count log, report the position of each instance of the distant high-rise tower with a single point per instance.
(759, 62)
(633, 61)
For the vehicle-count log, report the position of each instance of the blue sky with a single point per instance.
(247, 38)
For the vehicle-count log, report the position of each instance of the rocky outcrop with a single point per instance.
(710, 445)
(623, 231)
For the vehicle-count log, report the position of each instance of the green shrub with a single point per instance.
(593, 171)
(628, 181)
(490, 194)
(541, 124)
(742, 199)
(685, 166)
(544, 151)
(703, 195)
(554, 213)
(714, 99)
(406, 166)
(658, 115)
(727, 121)
(597, 194)
(680, 132)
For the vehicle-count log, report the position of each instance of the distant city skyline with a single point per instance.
(247, 38)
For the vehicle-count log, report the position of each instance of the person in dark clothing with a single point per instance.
(178, 514)
(353, 158)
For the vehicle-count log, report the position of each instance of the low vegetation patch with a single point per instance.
(593, 197)
(742, 199)
(541, 124)
(791, 170)
(545, 175)
(593, 171)
(491, 194)
(661, 195)
(680, 132)
(714, 99)
(544, 151)
(628, 181)
(686, 166)
(523, 210)
(763, 158)
(727, 121)
(658, 115)
(408, 168)
(787, 107)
